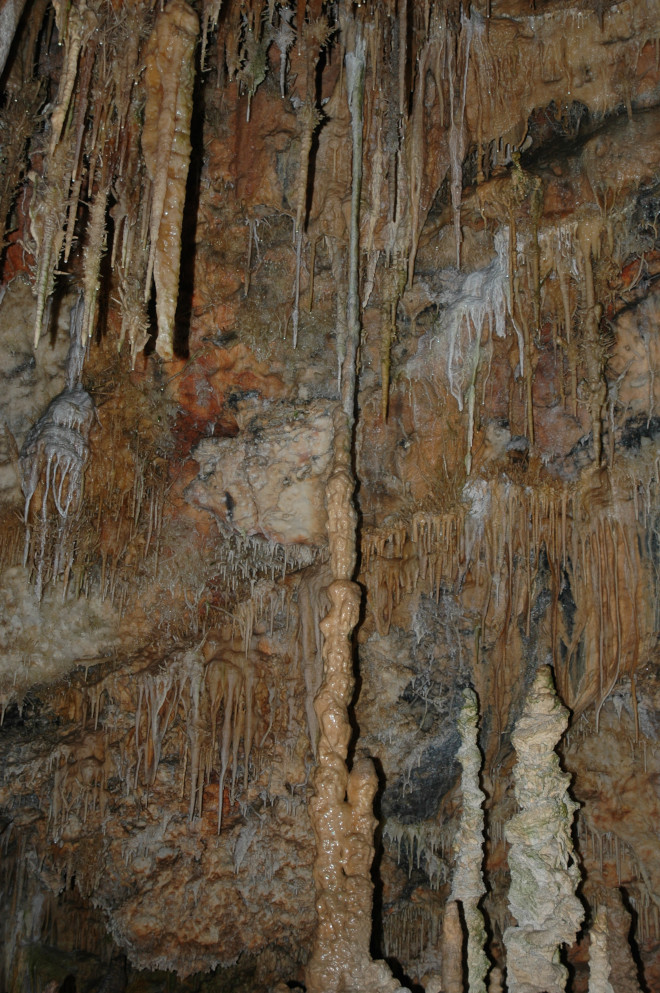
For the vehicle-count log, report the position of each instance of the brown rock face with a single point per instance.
(231, 677)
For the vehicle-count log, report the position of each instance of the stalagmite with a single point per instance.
(599, 962)
(544, 873)
(169, 78)
(341, 810)
(452, 950)
(468, 884)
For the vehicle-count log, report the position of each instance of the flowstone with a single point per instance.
(544, 874)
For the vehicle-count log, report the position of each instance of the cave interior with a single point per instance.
(329, 496)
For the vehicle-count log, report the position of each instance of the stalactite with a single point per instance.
(416, 157)
(595, 356)
(54, 455)
(252, 71)
(76, 23)
(410, 932)
(458, 77)
(355, 72)
(160, 693)
(232, 679)
(96, 240)
(169, 78)
(284, 38)
(395, 280)
(423, 844)
(47, 215)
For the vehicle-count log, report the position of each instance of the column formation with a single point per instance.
(341, 810)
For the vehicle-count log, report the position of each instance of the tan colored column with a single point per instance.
(341, 810)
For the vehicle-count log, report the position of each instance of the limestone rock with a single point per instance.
(599, 963)
(544, 874)
(452, 950)
(271, 479)
(468, 884)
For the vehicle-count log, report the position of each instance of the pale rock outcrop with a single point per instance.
(544, 874)
(271, 479)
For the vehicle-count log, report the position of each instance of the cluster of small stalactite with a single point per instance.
(110, 177)
(56, 923)
(111, 540)
(608, 851)
(503, 540)
(112, 163)
(106, 179)
(410, 932)
(423, 845)
(216, 705)
(645, 906)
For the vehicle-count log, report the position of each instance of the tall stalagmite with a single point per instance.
(544, 873)
(468, 883)
(599, 959)
(341, 810)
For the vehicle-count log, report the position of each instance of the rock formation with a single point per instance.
(341, 810)
(468, 884)
(599, 962)
(544, 874)
(225, 227)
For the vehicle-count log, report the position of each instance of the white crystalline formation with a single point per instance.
(544, 874)
(57, 447)
(599, 962)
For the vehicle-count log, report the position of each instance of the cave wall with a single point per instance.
(175, 316)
